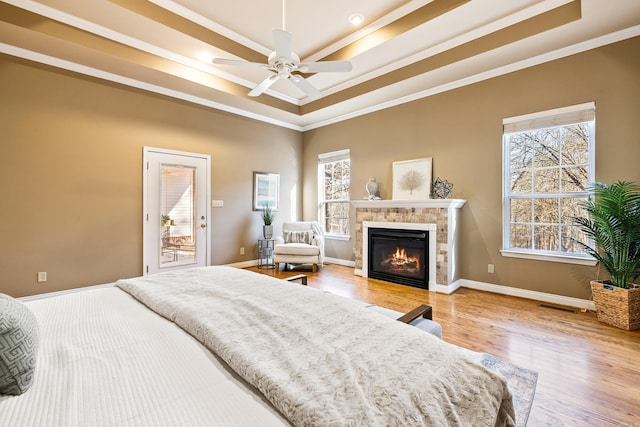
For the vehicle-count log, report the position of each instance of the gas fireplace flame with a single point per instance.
(400, 256)
(400, 259)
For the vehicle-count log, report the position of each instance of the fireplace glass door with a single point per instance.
(399, 256)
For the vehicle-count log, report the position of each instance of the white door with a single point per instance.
(175, 200)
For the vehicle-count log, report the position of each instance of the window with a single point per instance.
(334, 177)
(548, 167)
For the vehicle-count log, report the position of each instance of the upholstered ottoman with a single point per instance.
(426, 325)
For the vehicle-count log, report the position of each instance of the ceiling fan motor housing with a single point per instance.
(283, 66)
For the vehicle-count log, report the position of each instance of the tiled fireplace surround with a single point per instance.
(443, 213)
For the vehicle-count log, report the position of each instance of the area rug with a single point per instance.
(521, 381)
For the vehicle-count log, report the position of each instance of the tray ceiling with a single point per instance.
(404, 49)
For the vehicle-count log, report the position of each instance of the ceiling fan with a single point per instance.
(285, 64)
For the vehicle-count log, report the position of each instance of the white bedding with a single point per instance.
(106, 360)
(321, 360)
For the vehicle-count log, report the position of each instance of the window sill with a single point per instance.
(567, 259)
(337, 237)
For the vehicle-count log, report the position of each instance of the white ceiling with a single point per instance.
(403, 51)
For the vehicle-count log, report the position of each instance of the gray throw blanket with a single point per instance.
(322, 360)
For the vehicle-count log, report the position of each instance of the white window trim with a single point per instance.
(506, 251)
(553, 257)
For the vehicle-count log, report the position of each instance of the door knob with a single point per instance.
(203, 225)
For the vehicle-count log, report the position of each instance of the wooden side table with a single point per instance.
(265, 253)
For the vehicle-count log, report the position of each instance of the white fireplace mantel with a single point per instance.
(441, 216)
(430, 203)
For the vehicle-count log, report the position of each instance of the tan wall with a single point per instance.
(462, 130)
(71, 165)
(71, 175)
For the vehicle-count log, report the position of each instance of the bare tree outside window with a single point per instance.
(335, 195)
(548, 173)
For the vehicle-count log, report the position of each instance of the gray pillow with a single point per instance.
(19, 337)
(304, 236)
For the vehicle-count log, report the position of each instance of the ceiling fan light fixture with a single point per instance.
(356, 19)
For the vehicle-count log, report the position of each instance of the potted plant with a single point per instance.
(613, 230)
(267, 217)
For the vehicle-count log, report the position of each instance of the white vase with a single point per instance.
(372, 188)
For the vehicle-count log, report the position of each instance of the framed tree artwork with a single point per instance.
(412, 179)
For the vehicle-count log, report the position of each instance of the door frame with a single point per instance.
(146, 232)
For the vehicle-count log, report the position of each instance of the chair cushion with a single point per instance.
(305, 236)
(296, 249)
(19, 336)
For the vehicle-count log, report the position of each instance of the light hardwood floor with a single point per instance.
(589, 373)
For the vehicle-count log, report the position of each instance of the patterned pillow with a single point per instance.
(305, 236)
(19, 337)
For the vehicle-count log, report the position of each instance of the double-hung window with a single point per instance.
(548, 162)
(334, 181)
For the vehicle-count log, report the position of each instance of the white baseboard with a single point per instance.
(446, 289)
(534, 295)
(450, 288)
(64, 292)
(243, 264)
(339, 261)
(507, 290)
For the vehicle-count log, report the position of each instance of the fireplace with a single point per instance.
(399, 256)
(440, 217)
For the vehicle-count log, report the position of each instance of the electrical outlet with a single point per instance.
(42, 276)
(241, 251)
(490, 268)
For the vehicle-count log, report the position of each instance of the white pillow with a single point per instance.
(19, 337)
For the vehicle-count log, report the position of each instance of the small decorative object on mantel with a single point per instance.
(372, 189)
(441, 189)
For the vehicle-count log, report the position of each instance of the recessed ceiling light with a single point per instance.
(356, 19)
(205, 57)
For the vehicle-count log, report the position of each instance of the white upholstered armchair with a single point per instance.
(302, 242)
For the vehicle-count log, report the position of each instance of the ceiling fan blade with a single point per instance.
(266, 84)
(282, 41)
(325, 66)
(306, 87)
(222, 61)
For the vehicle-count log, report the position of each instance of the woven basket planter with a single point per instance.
(617, 306)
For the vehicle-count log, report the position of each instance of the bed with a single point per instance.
(223, 346)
